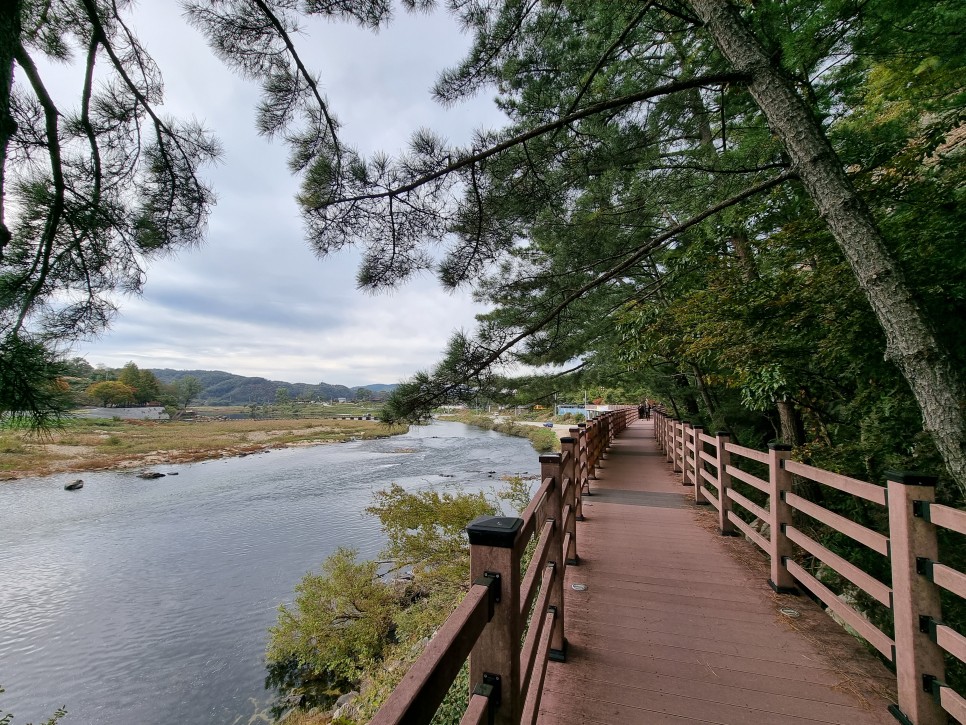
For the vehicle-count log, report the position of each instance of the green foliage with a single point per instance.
(425, 531)
(112, 392)
(349, 627)
(32, 385)
(186, 389)
(6, 718)
(517, 492)
(339, 621)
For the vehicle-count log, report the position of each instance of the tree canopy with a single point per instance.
(755, 209)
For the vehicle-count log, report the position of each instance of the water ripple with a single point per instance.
(149, 601)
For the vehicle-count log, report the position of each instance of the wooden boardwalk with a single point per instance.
(678, 625)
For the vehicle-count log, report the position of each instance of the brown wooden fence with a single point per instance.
(712, 463)
(511, 623)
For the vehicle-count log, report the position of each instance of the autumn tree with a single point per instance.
(111, 392)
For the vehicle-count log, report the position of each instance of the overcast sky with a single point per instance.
(254, 300)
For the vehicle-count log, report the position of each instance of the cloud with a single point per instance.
(254, 299)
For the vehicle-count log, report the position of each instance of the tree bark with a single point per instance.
(911, 343)
(10, 28)
(792, 428)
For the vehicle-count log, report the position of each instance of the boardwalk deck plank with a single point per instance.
(673, 629)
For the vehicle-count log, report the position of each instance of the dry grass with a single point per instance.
(86, 445)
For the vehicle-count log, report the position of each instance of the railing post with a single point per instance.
(495, 549)
(569, 445)
(606, 425)
(685, 431)
(673, 447)
(550, 468)
(580, 468)
(672, 450)
(913, 543)
(724, 483)
(598, 443)
(779, 515)
(585, 460)
(699, 497)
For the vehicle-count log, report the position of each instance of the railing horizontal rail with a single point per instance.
(872, 634)
(746, 529)
(538, 500)
(528, 588)
(950, 579)
(478, 711)
(947, 517)
(747, 452)
(529, 650)
(868, 491)
(867, 583)
(713, 460)
(424, 686)
(705, 438)
(710, 497)
(874, 540)
(531, 706)
(951, 641)
(953, 703)
(750, 505)
(748, 478)
(709, 477)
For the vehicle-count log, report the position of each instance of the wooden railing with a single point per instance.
(508, 659)
(907, 502)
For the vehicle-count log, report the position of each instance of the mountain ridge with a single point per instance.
(223, 388)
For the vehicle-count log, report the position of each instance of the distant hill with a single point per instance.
(221, 388)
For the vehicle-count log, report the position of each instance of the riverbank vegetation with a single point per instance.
(543, 440)
(88, 444)
(357, 626)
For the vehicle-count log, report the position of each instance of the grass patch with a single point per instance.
(84, 444)
(543, 440)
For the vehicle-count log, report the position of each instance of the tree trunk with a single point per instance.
(10, 28)
(792, 428)
(910, 341)
(703, 389)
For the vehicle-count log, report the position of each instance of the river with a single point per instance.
(148, 601)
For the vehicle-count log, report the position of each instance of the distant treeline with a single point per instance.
(221, 388)
(218, 387)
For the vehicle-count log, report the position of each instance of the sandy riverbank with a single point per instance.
(96, 445)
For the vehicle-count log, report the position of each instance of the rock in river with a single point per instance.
(150, 474)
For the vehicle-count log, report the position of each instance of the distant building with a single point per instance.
(149, 412)
(572, 408)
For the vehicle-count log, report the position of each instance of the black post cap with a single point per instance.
(776, 446)
(911, 478)
(550, 458)
(568, 439)
(498, 531)
(723, 433)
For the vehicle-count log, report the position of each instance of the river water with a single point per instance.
(142, 602)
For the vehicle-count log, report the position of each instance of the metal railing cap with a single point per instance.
(498, 531)
(911, 478)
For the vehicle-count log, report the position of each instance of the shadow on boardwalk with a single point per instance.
(677, 623)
